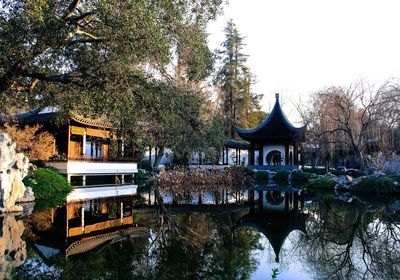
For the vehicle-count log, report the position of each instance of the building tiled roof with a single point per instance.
(275, 127)
(48, 116)
(234, 144)
(92, 122)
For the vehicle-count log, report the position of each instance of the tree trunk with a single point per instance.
(158, 157)
(360, 158)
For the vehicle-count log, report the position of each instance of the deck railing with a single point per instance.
(95, 159)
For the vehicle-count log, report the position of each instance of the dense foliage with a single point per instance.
(30, 140)
(139, 63)
(47, 183)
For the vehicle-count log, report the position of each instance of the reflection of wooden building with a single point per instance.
(85, 147)
(276, 141)
(275, 214)
(85, 217)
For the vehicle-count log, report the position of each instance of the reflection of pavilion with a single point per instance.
(275, 213)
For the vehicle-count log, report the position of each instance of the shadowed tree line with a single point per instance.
(352, 125)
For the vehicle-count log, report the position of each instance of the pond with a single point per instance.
(261, 233)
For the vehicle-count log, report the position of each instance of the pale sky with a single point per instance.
(297, 47)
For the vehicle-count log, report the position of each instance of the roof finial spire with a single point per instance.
(277, 97)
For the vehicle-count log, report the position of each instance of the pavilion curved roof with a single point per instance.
(275, 127)
(275, 229)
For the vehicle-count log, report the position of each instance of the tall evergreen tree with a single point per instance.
(231, 71)
(235, 80)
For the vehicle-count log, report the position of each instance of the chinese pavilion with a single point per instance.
(88, 153)
(276, 141)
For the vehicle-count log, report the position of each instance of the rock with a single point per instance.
(371, 170)
(271, 174)
(27, 209)
(378, 174)
(349, 178)
(342, 187)
(330, 175)
(356, 181)
(13, 168)
(29, 196)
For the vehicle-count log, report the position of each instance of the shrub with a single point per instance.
(46, 183)
(377, 185)
(301, 177)
(241, 169)
(145, 164)
(281, 175)
(32, 141)
(321, 183)
(317, 171)
(337, 172)
(142, 175)
(395, 177)
(261, 176)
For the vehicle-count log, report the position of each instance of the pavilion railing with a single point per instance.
(94, 159)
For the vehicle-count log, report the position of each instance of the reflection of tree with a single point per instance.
(113, 262)
(347, 241)
(199, 246)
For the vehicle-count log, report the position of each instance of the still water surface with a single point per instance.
(267, 233)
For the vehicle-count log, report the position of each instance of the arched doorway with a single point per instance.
(274, 158)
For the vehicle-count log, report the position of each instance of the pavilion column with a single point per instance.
(301, 155)
(295, 153)
(261, 155)
(226, 155)
(286, 154)
(251, 154)
(287, 201)
(84, 142)
(236, 156)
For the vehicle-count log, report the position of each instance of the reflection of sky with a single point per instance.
(289, 266)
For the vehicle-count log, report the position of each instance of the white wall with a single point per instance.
(166, 159)
(90, 167)
(270, 148)
(244, 157)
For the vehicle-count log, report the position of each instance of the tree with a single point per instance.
(110, 58)
(93, 56)
(235, 80)
(30, 140)
(352, 117)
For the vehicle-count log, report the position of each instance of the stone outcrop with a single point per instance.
(13, 168)
(12, 247)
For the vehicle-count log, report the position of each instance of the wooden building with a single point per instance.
(88, 152)
(275, 140)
